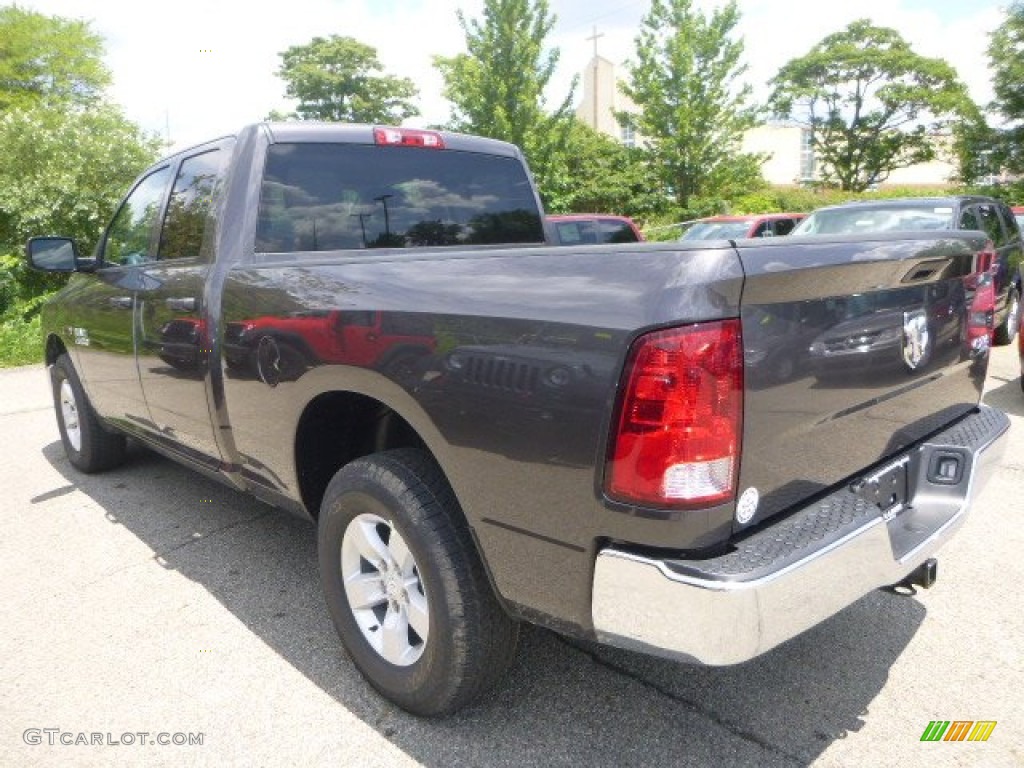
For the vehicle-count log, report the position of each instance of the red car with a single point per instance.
(592, 229)
(735, 227)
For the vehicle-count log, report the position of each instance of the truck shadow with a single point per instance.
(562, 698)
(1005, 394)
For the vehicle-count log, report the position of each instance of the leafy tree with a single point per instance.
(871, 102)
(48, 60)
(1006, 60)
(692, 112)
(496, 89)
(336, 78)
(978, 150)
(599, 174)
(61, 173)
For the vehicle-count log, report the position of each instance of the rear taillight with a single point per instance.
(407, 137)
(981, 317)
(677, 436)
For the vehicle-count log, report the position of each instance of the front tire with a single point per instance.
(88, 445)
(1006, 332)
(405, 587)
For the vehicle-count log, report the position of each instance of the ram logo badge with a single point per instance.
(917, 347)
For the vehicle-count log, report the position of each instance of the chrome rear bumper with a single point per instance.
(789, 576)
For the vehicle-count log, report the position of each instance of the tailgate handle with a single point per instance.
(182, 304)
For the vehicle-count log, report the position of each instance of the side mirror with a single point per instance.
(52, 254)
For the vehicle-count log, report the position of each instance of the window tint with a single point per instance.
(990, 223)
(969, 219)
(128, 237)
(888, 218)
(615, 231)
(576, 233)
(188, 228)
(318, 197)
(716, 230)
(1009, 222)
(784, 226)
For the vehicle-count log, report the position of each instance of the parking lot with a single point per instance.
(151, 601)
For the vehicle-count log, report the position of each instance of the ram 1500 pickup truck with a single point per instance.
(365, 326)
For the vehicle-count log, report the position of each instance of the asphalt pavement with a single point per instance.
(150, 605)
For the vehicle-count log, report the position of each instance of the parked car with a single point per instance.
(985, 214)
(592, 229)
(733, 227)
(1018, 214)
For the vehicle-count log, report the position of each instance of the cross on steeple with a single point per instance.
(594, 37)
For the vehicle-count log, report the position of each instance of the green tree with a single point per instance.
(61, 173)
(600, 174)
(1006, 61)
(337, 79)
(693, 112)
(48, 60)
(872, 103)
(978, 150)
(496, 89)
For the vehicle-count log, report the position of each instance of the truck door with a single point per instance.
(174, 338)
(103, 333)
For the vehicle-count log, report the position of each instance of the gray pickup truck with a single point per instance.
(626, 443)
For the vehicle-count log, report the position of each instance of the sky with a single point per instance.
(195, 69)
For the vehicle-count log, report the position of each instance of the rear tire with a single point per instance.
(405, 586)
(89, 446)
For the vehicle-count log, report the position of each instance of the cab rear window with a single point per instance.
(320, 197)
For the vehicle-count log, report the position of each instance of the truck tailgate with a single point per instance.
(850, 356)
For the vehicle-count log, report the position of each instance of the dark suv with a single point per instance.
(931, 213)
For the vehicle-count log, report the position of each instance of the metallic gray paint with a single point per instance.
(521, 428)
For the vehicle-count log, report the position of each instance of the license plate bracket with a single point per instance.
(887, 489)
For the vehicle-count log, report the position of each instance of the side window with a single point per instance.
(764, 228)
(784, 226)
(576, 233)
(990, 224)
(1009, 223)
(129, 235)
(615, 231)
(188, 226)
(969, 219)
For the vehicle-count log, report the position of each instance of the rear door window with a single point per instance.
(188, 226)
(1009, 223)
(319, 197)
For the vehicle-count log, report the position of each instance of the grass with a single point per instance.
(20, 342)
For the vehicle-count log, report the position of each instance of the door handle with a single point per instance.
(181, 304)
(120, 302)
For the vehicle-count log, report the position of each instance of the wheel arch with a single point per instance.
(338, 427)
